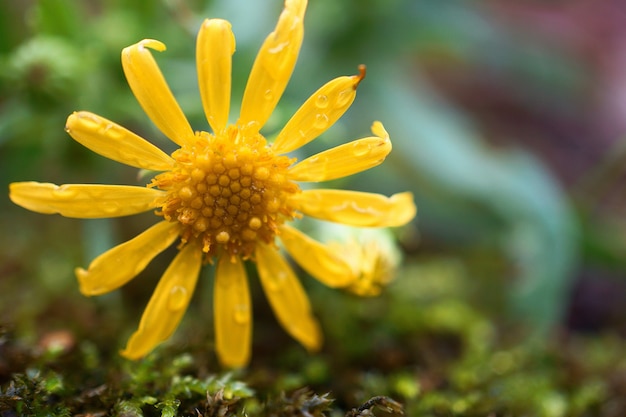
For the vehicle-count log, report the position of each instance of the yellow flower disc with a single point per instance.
(227, 191)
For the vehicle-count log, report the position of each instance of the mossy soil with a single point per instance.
(430, 345)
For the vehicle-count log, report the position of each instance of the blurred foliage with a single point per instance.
(507, 121)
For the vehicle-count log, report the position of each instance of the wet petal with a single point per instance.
(287, 297)
(343, 160)
(318, 113)
(373, 255)
(214, 49)
(152, 92)
(357, 208)
(233, 313)
(317, 259)
(83, 201)
(273, 66)
(168, 303)
(124, 262)
(111, 140)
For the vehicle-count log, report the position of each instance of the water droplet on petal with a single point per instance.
(110, 208)
(275, 283)
(241, 314)
(343, 98)
(321, 121)
(177, 298)
(322, 101)
(268, 95)
(361, 149)
(64, 193)
(112, 132)
(83, 121)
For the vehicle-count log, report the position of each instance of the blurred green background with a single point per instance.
(507, 121)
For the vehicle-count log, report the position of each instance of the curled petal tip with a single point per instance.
(379, 130)
(152, 44)
(405, 209)
(81, 275)
(142, 45)
(361, 76)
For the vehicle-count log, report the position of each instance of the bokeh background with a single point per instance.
(508, 122)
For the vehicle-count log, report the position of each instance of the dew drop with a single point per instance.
(277, 282)
(241, 314)
(361, 149)
(321, 121)
(110, 208)
(87, 121)
(268, 95)
(64, 193)
(322, 101)
(112, 132)
(177, 298)
(343, 98)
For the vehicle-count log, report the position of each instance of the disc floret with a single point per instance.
(227, 191)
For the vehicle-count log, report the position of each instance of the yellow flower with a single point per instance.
(373, 255)
(227, 195)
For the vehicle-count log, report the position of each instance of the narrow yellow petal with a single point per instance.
(214, 49)
(273, 66)
(152, 92)
(122, 263)
(356, 208)
(343, 160)
(318, 113)
(168, 303)
(287, 297)
(233, 313)
(83, 201)
(317, 259)
(115, 142)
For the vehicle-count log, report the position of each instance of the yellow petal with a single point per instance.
(343, 160)
(83, 201)
(233, 313)
(122, 263)
(168, 303)
(318, 113)
(115, 142)
(373, 258)
(317, 259)
(152, 92)
(214, 49)
(273, 66)
(356, 208)
(287, 297)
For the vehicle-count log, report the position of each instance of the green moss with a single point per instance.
(423, 346)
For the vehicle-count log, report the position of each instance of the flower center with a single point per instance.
(227, 191)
